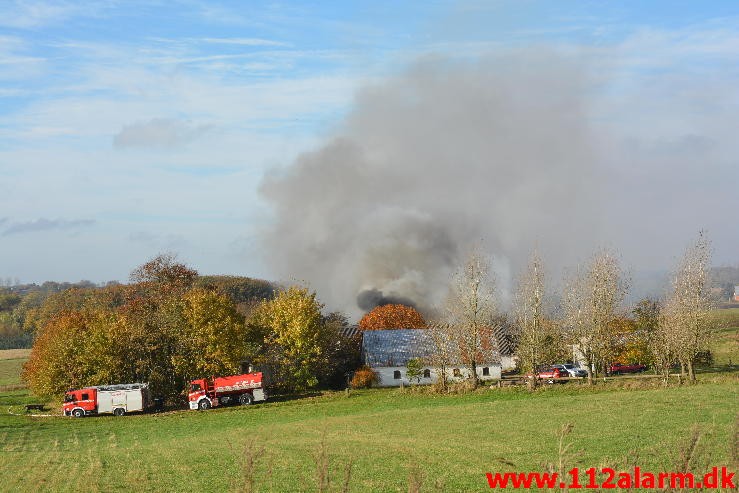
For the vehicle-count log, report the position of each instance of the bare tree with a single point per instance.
(686, 320)
(663, 343)
(529, 327)
(591, 301)
(470, 312)
(443, 351)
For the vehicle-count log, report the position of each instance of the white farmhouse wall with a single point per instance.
(386, 375)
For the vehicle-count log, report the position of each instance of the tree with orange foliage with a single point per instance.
(392, 317)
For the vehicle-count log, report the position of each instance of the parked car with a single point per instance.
(572, 370)
(550, 374)
(619, 368)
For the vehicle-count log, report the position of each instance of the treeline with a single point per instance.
(169, 326)
(19, 304)
(675, 331)
(23, 310)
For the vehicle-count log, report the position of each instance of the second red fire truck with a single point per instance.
(242, 389)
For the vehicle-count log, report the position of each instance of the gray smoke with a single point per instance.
(371, 298)
(501, 152)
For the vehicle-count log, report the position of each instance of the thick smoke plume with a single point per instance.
(500, 152)
(371, 298)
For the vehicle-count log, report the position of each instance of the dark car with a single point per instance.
(620, 368)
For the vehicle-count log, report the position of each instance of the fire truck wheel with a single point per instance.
(203, 404)
(78, 413)
(246, 399)
(119, 411)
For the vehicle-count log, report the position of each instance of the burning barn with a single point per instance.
(388, 352)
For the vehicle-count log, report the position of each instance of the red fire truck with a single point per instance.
(116, 399)
(244, 389)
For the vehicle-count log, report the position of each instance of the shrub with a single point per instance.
(364, 378)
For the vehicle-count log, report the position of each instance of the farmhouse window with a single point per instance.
(396, 374)
(486, 371)
(426, 373)
(457, 373)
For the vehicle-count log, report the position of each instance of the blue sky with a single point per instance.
(130, 128)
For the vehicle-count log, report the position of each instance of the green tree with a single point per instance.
(414, 370)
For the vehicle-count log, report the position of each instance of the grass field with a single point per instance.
(451, 440)
(726, 344)
(11, 363)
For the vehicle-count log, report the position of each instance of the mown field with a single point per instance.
(726, 346)
(451, 441)
(11, 363)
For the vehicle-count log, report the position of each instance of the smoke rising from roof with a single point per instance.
(371, 298)
(502, 151)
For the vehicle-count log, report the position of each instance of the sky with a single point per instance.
(133, 128)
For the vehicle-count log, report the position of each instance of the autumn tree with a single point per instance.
(634, 336)
(294, 338)
(686, 318)
(165, 272)
(157, 330)
(73, 349)
(392, 316)
(529, 326)
(212, 341)
(591, 302)
(470, 313)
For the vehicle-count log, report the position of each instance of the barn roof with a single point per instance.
(395, 347)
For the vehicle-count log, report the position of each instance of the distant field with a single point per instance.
(726, 344)
(11, 363)
(727, 317)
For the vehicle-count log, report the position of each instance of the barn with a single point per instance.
(388, 352)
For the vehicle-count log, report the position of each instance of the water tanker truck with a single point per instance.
(241, 389)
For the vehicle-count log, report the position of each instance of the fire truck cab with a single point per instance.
(80, 402)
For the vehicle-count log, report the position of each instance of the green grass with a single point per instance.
(453, 439)
(11, 364)
(727, 317)
(725, 346)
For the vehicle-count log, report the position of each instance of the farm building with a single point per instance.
(387, 352)
(736, 293)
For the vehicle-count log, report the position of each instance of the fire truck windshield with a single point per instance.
(195, 387)
(68, 398)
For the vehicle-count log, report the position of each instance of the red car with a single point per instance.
(619, 368)
(550, 374)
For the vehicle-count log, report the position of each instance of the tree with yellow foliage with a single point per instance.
(294, 338)
(214, 335)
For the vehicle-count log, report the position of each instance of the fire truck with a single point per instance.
(116, 399)
(243, 389)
